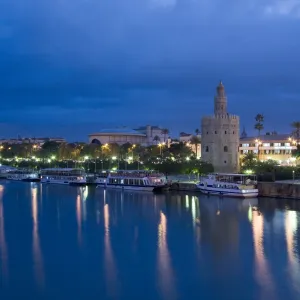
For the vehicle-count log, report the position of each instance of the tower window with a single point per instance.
(225, 132)
(225, 149)
(206, 149)
(207, 132)
(225, 162)
(215, 132)
(233, 132)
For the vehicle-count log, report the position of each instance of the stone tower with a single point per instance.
(220, 136)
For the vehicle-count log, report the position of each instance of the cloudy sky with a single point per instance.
(72, 67)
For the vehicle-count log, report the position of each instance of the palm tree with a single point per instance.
(296, 127)
(195, 141)
(165, 132)
(156, 139)
(259, 125)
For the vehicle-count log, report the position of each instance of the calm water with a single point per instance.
(61, 242)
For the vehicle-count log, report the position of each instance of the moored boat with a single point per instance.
(23, 175)
(226, 184)
(68, 176)
(133, 180)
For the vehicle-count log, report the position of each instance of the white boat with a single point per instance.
(23, 175)
(225, 184)
(63, 176)
(132, 180)
(4, 171)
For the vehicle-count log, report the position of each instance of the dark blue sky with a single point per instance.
(71, 67)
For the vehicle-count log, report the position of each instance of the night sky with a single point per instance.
(72, 67)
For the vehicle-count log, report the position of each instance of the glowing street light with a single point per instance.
(53, 157)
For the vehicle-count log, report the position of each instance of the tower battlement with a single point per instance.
(227, 116)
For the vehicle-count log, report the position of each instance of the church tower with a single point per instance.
(221, 136)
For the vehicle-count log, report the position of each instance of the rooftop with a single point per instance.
(118, 131)
(271, 137)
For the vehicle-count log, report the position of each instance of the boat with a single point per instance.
(4, 171)
(70, 176)
(139, 180)
(23, 175)
(226, 184)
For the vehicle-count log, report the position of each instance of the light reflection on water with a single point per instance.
(3, 247)
(132, 245)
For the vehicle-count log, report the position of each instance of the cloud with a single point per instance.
(284, 8)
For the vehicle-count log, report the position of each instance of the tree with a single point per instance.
(197, 131)
(195, 141)
(259, 125)
(296, 132)
(249, 161)
(156, 139)
(49, 149)
(165, 132)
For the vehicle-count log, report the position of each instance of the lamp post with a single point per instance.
(258, 144)
(105, 146)
(293, 175)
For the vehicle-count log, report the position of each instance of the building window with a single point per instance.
(206, 149)
(225, 162)
(207, 132)
(215, 132)
(233, 132)
(225, 149)
(225, 132)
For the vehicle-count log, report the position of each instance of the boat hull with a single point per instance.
(230, 193)
(131, 187)
(64, 182)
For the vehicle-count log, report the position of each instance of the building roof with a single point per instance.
(182, 134)
(118, 131)
(263, 138)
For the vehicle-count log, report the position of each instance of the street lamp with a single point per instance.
(258, 144)
(294, 175)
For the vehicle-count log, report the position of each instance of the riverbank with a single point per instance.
(280, 189)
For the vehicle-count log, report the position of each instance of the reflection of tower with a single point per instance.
(3, 247)
(291, 227)
(165, 272)
(262, 270)
(111, 274)
(37, 255)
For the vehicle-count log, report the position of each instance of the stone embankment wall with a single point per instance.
(279, 190)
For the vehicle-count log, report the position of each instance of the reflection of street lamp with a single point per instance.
(258, 144)
(294, 175)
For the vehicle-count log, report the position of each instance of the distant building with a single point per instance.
(39, 141)
(154, 134)
(146, 136)
(220, 136)
(273, 146)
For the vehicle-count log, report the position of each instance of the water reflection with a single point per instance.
(79, 219)
(37, 254)
(291, 228)
(109, 261)
(165, 272)
(3, 247)
(262, 272)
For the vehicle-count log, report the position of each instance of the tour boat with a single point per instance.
(133, 180)
(23, 175)
(233, 185)
(63, 176)
(4, 171)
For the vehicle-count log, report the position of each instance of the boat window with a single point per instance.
(225, 149)
(126, 181)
